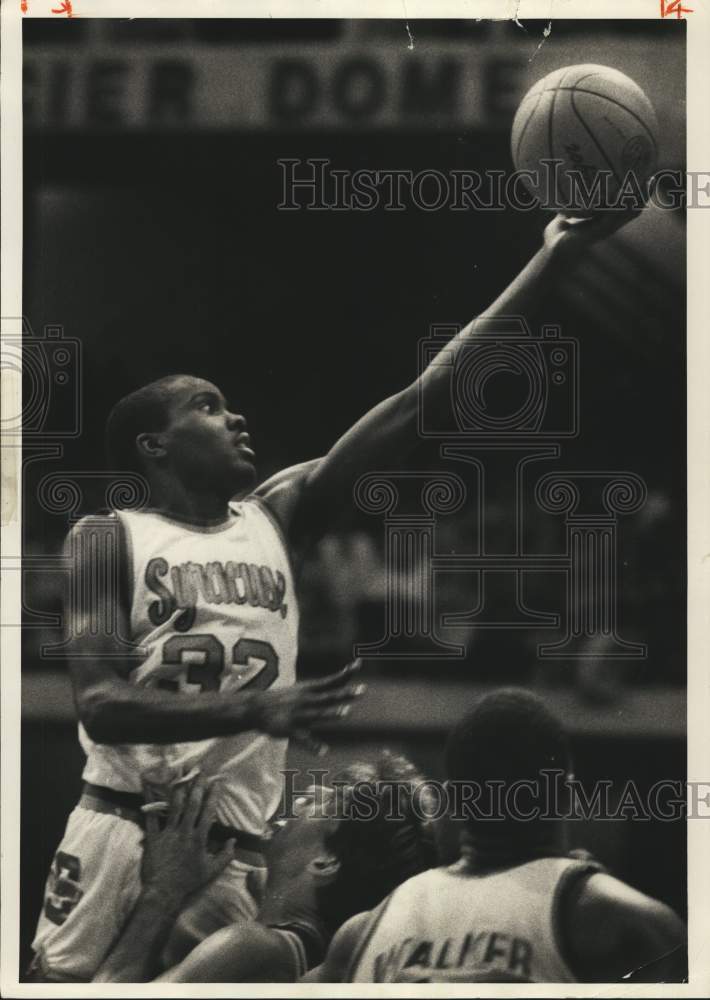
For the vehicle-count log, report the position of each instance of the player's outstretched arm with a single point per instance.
(113, 710)
(617, 934)
(308, 499)
(245, 952)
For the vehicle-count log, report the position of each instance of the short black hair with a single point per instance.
(377, 852)
(508, 736)
(145, 409)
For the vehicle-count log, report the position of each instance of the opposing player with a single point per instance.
(206, 589)
(346, 845)
(515, 907)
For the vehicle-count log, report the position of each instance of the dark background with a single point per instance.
(162, 250)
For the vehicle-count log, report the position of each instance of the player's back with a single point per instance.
(452, 925)
(214, 609)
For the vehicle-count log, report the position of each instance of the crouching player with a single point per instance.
(345, 847)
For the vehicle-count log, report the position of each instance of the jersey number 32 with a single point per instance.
(204, 663)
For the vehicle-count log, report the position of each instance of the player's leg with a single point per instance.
(233, 897)
(92, 886)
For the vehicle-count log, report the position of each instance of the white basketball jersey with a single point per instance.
(448, 925)
(215, 610)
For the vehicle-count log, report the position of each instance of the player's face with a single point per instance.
(299, 862)
(301, 838)
(206, 441)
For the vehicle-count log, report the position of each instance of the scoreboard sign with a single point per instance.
(253, 87)
(262, 87)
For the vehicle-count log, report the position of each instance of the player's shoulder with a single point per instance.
(94, 525)
(120, 521)
(98, 537)
(604, 897)
(344, 947)
(96, 547)
(613, 928)
(282, 490)
(602, 894)
(281, 494)
(257, 509)
(293, 475)
(349, 933)
(96, 520)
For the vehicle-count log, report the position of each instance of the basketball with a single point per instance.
(599, 124)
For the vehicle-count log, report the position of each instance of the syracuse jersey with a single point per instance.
(449, 925)
(214, 609)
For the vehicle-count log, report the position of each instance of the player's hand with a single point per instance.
(572, 234)
(176, 861)
(295, 711)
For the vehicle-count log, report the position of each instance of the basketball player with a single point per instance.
(206, 590)
(515, 907)
(345, 847)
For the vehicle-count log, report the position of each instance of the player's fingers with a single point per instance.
(336, 696)
(605, 223)
(154, 808)
(194, 796)
(316, 716)
(152, 824)
(151, 791)
(582, 224)
(185, 778)
(177, 806)
(337, 679)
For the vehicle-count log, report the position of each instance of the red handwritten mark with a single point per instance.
(64, 9)
(669, 7)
